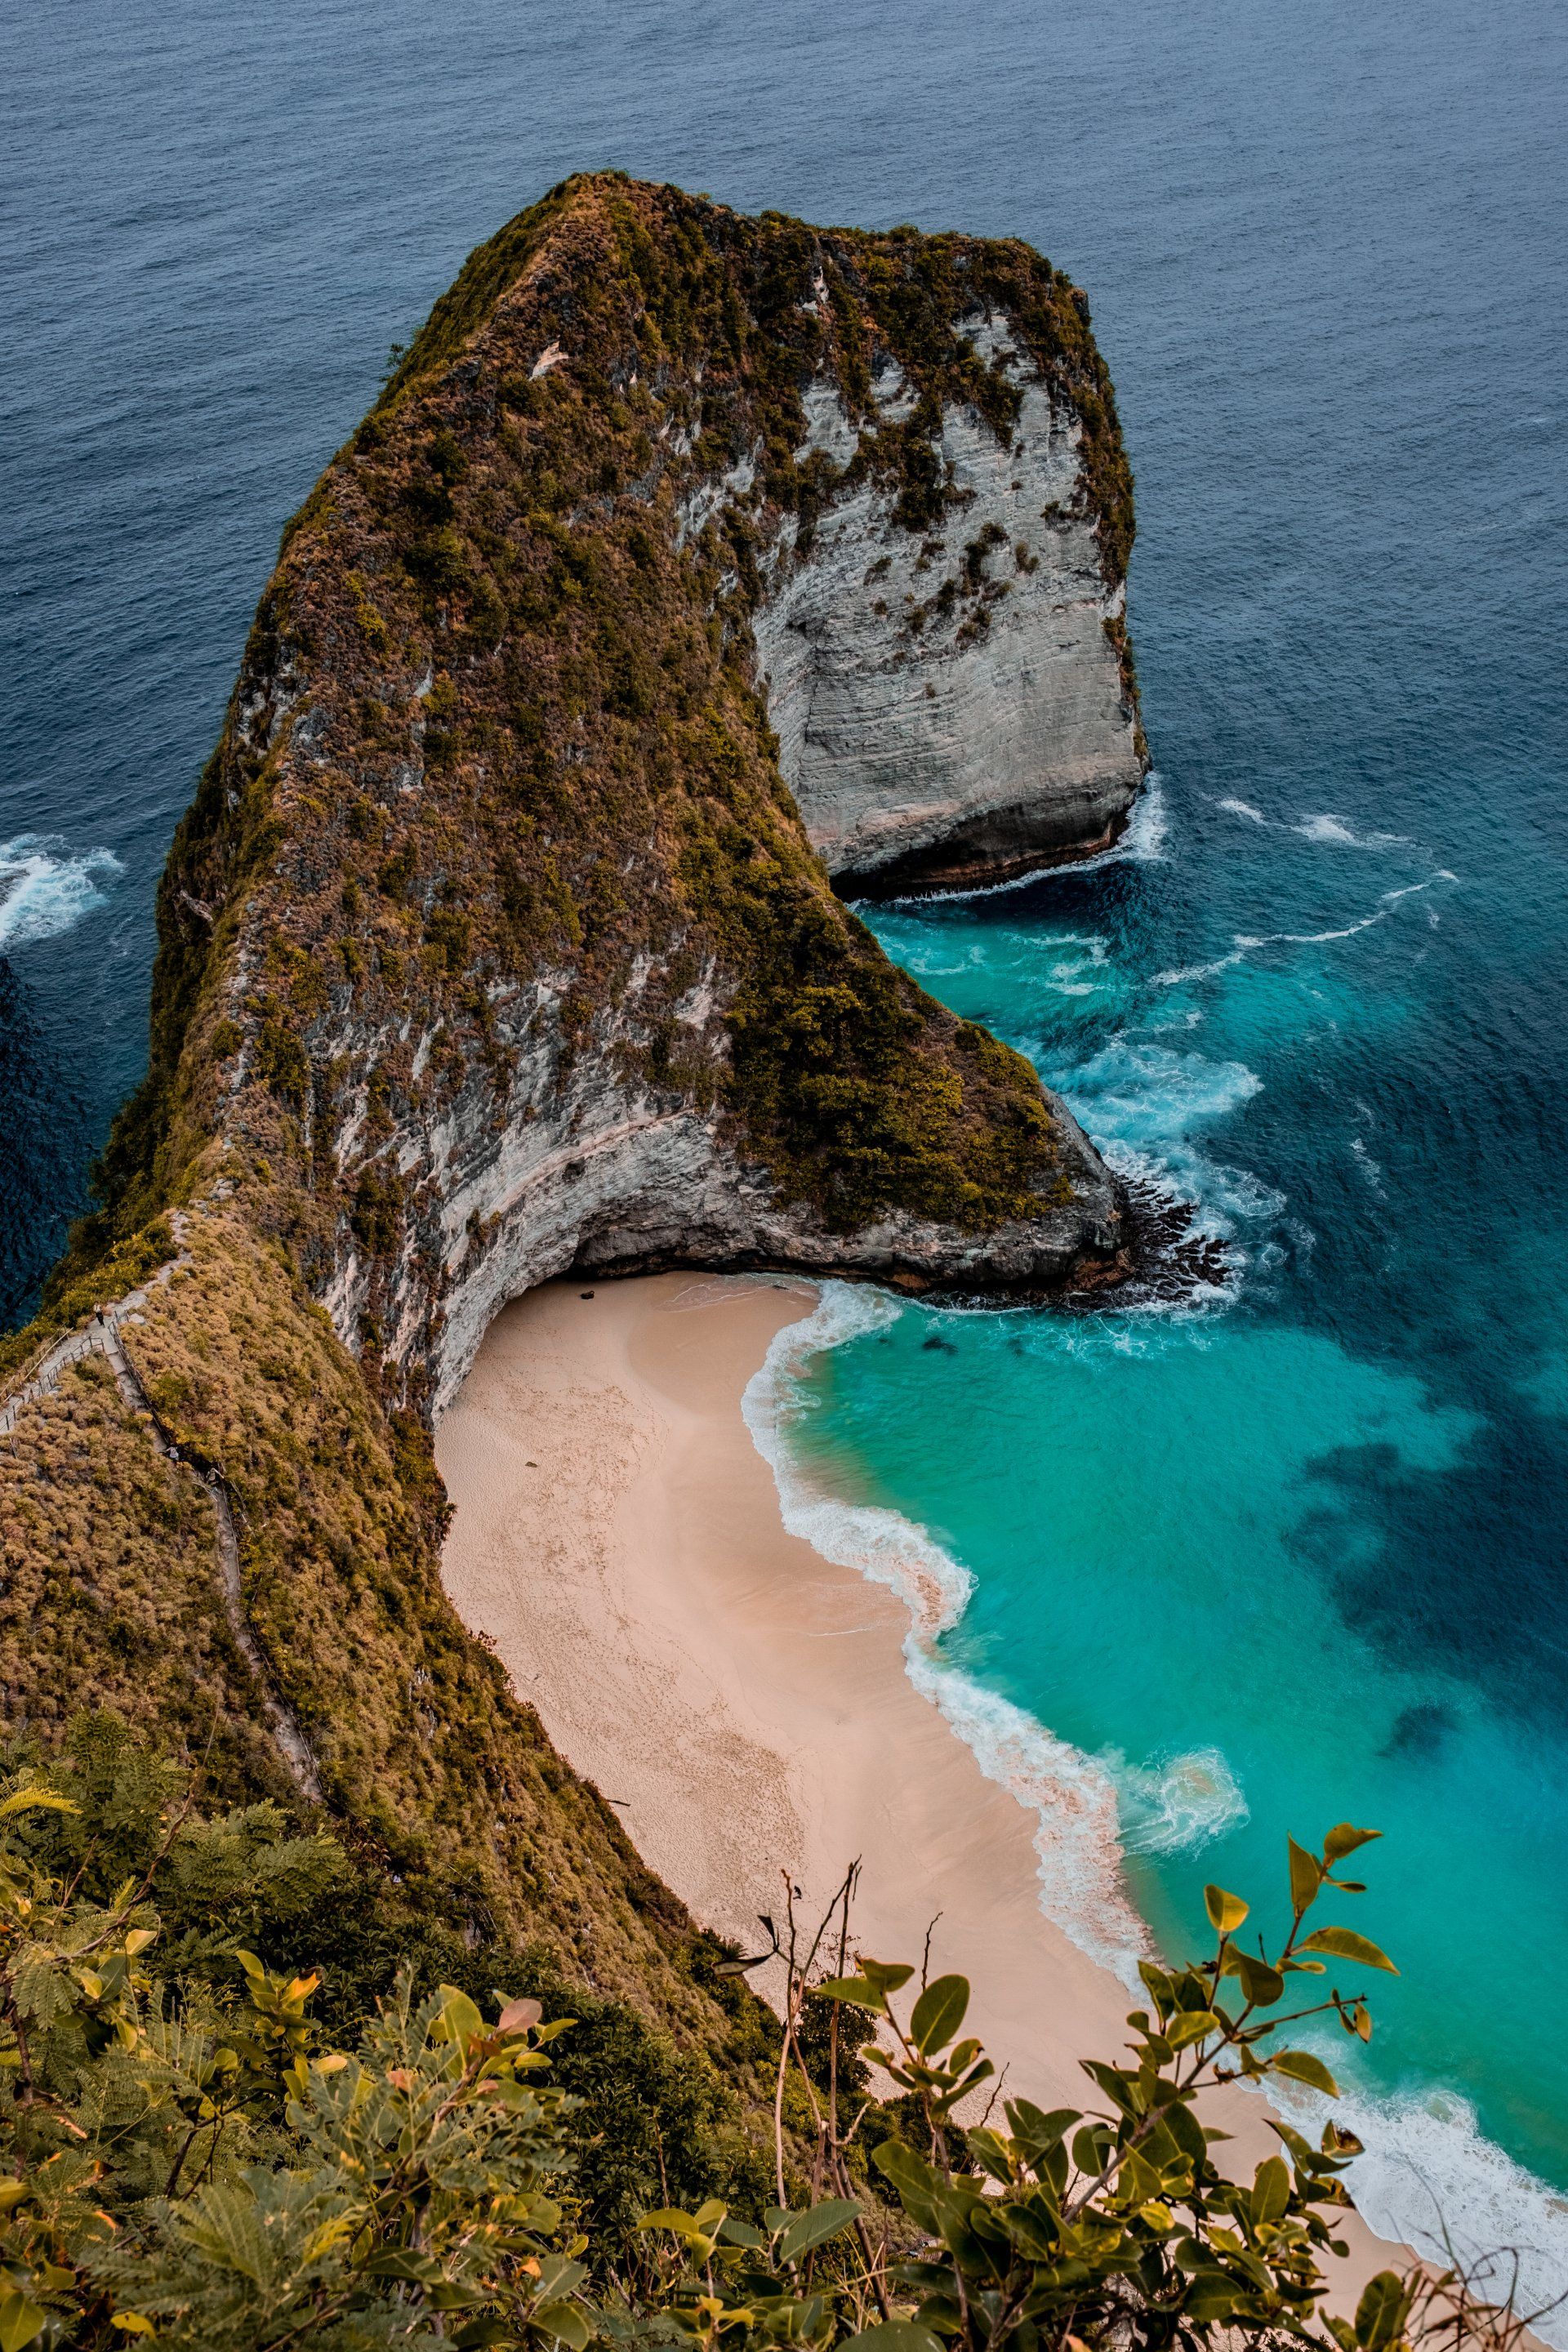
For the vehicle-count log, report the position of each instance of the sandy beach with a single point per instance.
(743, 1701)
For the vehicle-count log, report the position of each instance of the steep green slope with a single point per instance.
(494, 847)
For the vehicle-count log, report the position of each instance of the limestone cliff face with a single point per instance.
(682, 546)
(495, 943)
(611, 1180)
(950, 706)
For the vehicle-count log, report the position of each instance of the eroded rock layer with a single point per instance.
(953, 703)
(682, 547)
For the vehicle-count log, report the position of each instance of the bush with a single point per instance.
(187, 2162)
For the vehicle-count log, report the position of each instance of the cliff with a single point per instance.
(687, 561)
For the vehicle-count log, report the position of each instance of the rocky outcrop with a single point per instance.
(950, 706)
(688, 560)
(609, 1180)
(495, 943)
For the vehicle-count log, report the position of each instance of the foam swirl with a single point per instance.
(45, 891)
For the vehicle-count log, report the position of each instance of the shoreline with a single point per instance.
(744, 1702)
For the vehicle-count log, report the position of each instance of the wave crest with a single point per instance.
(1430, 2180)
(44, 891)
(1179, 1804)
(1143, 844)
(1073, 1797)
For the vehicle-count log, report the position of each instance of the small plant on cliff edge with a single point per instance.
(182, 2163)
(1113, 2226)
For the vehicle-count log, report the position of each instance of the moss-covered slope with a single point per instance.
(493, 938)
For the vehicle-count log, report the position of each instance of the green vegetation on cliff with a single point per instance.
(496, 743)
(196, 2151)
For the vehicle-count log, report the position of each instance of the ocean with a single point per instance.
(1285, 1548)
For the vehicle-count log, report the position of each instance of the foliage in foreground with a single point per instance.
(184, 2163)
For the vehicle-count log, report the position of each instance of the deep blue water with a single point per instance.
(1311, 1538)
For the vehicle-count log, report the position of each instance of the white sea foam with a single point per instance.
(43, 890)
(1073, 1797)
(1179, 1803)
(1143, 1100)
(1369, 1168)
(1430, 2180)
(1325, 827)
(1427, 2178)
(1335, 829)
(1246, 943)
(1143, 844)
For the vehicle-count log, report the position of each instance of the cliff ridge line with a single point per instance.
(501, 939)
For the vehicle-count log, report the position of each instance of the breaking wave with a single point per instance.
(44, 891)
(1076, 1800)
(1246, 943)
(1324, 827)
(1143, 844)
(1178, 1805)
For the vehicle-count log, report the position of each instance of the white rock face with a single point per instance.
(588, 1174)
(950, 709)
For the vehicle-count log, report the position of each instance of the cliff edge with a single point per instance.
(688, 564)
(495, 934)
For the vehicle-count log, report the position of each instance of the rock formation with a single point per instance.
(493, 933)
(950, 705)
(682, 547)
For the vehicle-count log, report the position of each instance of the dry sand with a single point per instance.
(743, 1701)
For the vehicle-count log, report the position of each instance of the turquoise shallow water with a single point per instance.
(1250, 1555)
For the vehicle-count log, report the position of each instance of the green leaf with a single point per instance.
(460, 2020)
(1225, 1912)
(989, 2150)
(820, 2221)
(1114, 2081)
(914, 2180)
(1157, 1984)
(1344, 1839)
(1306, 1877)
(1271, 2190)
(1210, 2297)
(1344, 1944)
(887, 1976)
(567, 2323)
(669, 2217)
(856, 1989)
(1303, 2153)
(893, 2335)
(1380, 2313)
(1190, 2025)
(1037, 2130)
(20, 2321)
(34, 1800)
(1302, 2067)
(938, 2013)
(1259, 1982)
(1186, 2131)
